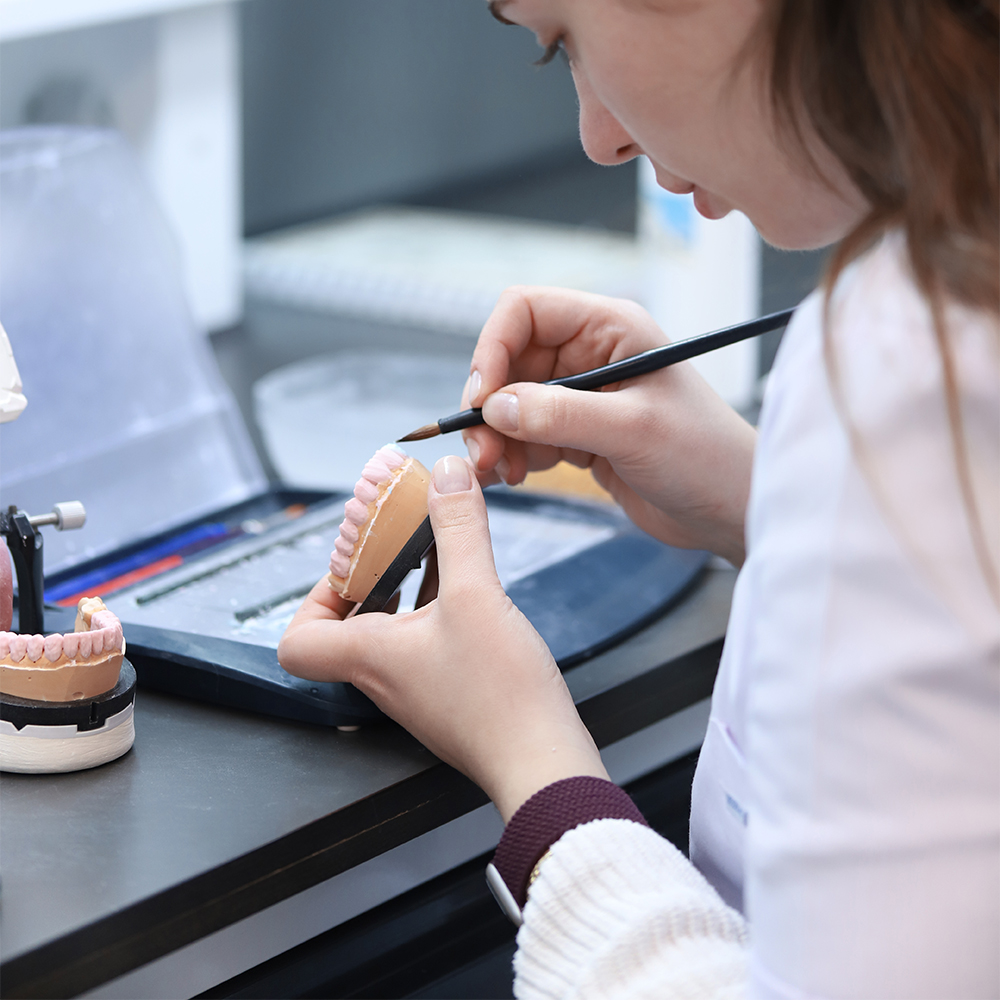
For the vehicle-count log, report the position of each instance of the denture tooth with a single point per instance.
(366, 492)
(87, 606)
(350, 532)
(376, 471)
(4, 644)
(344, 547)
(18, 647)
(340, 565)
(53, 646)
(102, 619)
(71, 644)
(35, 647)
(390, 456)
(86, 644)
(356, 512)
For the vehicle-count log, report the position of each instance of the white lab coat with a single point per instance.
(848, 793)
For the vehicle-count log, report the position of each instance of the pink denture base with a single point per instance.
(378, 471)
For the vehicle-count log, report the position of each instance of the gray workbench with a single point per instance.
(218, 820)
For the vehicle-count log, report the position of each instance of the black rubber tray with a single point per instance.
(580, 606)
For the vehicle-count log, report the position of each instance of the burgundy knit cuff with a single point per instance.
(547, 815)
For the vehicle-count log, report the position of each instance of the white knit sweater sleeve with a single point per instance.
(618, 911)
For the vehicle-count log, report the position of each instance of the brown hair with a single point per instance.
(906, 94)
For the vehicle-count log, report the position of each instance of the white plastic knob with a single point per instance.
(70, 514)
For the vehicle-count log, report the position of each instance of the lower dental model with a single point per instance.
(83, 663)
(389, 504)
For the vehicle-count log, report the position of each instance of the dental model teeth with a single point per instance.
(389, 504)
(80, 664)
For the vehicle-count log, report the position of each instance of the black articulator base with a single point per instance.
(86, 714)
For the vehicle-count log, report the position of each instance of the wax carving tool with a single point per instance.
(617, 371)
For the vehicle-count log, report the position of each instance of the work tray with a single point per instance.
(204, 605)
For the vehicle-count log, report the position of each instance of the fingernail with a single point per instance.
(452, 475)
(473, 447)
(500, 411)
(502, 469)
(475, 386)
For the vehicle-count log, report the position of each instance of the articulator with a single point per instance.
(66, 700)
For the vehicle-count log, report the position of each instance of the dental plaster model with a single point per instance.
(67, 700)
(389, 504)
(83, 663)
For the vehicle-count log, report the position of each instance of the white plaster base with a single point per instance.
(52, 749)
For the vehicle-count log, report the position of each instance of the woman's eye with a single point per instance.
(552, 50)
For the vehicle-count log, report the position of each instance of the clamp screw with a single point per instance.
(66, 516)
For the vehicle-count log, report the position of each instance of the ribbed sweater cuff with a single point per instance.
(547, 815)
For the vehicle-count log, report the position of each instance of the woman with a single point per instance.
(847, 799)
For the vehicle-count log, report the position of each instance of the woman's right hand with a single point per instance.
(667, 448)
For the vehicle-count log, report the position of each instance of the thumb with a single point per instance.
(461, 528)
(555, 415)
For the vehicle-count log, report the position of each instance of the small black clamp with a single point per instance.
(25, 543)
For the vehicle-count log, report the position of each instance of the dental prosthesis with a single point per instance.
(83, 663)
(389, 504)
(66, 701)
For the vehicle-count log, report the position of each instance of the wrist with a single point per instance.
(527, 778)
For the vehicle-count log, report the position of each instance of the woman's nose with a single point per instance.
(604, 140)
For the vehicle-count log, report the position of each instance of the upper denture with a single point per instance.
(358, 510)
(389, 502)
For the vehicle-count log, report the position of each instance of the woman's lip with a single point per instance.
(703, 203)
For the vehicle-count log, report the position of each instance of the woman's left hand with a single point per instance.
(466, 674)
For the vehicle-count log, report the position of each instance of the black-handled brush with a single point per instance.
(617, 371)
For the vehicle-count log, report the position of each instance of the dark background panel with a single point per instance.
(354, 102)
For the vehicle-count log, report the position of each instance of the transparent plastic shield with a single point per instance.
(323, 418)
(126, 410)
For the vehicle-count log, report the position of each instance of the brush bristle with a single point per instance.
(421, 433)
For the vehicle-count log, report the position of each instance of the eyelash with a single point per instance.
(552, 50)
